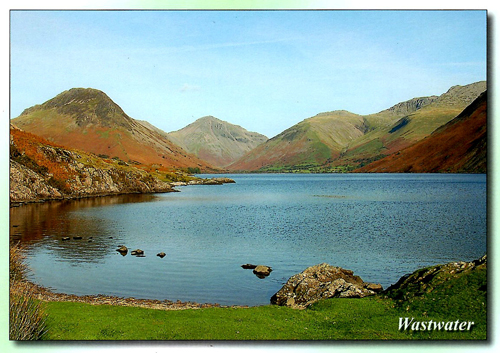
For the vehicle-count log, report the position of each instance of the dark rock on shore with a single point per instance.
(321, 282)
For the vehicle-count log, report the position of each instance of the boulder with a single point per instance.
(161, 255)
(262, 271)
(321, 282)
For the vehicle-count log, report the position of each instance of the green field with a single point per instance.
(369, 318)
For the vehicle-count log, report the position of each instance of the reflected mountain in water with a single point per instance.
(62, 229)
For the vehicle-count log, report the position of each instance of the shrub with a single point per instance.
(17, 268)
(27, 318)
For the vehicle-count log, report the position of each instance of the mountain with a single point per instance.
(216, 141)
(456, 147)
(88, 120)
(308, 143)
(343, 141)
(404, 129)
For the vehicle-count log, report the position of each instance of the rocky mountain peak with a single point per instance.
(86, 106)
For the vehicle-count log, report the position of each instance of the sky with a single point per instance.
(262, 70)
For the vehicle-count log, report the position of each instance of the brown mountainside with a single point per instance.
(457, 147)
(87, 119)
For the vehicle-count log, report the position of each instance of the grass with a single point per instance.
(371, 318)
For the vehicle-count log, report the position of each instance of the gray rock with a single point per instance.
(321, 282)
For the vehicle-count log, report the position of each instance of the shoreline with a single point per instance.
(46, 295)
(171, 188)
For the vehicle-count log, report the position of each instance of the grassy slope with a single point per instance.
(461, 297)
(459, 146)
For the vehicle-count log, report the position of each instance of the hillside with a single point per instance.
(88, 120)
(41, 170)
(343, 141)
(309, 143)
(215, 141)
(457, 147)
(405, 129)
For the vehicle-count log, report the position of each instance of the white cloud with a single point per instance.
(189, 88)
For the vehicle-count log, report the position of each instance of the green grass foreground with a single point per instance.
(371, 318)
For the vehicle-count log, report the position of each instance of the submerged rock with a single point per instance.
(321, 282)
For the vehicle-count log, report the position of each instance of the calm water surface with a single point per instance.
(381, 226)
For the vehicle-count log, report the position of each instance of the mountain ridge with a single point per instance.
(459, 146)
(87, 119)
(382, 134)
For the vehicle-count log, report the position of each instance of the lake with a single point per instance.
(381, 226)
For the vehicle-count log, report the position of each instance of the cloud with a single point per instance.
(189, 88)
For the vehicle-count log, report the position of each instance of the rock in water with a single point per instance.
(161, 255)
(248, 266)
(122, 250)
(137, 252)
(262, 271)
(321, 282)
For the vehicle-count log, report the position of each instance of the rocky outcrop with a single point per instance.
(42, 171)
(321, 282)
(209, 181)
(30, 181)
(425, 280)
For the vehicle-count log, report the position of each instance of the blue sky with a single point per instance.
(263, 70)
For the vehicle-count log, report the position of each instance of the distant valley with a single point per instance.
(337, 141)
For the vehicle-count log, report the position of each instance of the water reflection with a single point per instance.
(64, 231)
